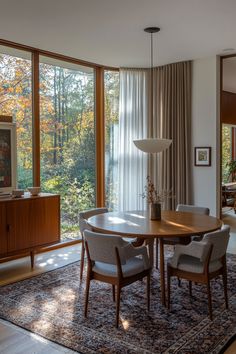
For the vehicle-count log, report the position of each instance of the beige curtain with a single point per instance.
(171, 118)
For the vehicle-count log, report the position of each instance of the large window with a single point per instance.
(68, 138)
(111, 83)
(16, 101)
(51, 99)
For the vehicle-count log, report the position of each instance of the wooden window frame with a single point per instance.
(99, 113)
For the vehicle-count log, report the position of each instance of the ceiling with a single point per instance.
(110, 32)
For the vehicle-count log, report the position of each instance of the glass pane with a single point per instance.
(16, 101)
(111, 83)
(227, 157)
(67, 138)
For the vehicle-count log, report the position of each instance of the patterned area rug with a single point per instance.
(51, 305)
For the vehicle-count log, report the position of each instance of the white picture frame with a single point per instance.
(202, 156)
(8, 157)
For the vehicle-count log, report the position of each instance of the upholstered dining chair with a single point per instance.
(182, 240)
(113, 260)
(201, 261)
(83, 225)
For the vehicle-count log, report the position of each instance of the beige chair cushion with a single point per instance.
(133, 266)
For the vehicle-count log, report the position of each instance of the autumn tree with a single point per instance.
(67, 130)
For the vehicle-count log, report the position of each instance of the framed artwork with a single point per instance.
(202, 156)
(7, 157)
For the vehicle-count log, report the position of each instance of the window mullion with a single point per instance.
(100, 138)
(35, 118)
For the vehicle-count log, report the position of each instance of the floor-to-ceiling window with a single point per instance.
(67, 129)
(16, 101)
(51, 98)
(111, 85)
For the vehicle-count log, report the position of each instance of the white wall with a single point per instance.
(205, 130)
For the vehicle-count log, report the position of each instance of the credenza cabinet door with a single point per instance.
(44, 221)
(3, 230)
(18, 225)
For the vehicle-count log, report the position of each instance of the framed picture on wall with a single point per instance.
(202, 156)
(7, 157)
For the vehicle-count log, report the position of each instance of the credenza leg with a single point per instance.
(32, 258)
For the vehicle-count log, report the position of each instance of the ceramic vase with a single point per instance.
(155, 211)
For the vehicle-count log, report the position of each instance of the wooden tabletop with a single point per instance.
(172, 223)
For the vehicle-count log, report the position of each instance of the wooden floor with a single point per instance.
(20, 269)
(15, 340)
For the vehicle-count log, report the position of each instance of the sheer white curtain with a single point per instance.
(133, 124)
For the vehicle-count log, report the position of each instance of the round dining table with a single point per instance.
(138, 224)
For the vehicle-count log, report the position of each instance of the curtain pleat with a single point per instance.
(171, 170)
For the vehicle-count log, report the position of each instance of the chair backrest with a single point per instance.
(84, 215)
(193, 209)
(219, 239)
(102, 247)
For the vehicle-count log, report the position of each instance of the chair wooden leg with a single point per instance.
(179, 282)
(162, 272)
(190, 287)
(148, 292)
(157, 258)
(150, 245)
(209, 299)
(82, 261)
(168, 288)
(113, 293)
(118, 305)
(224, 276)
(87, 296)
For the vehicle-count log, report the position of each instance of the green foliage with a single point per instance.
(111, 80)
(68, 139)
(75, 196)
(226, 152)
(67, 131)
(231, 170)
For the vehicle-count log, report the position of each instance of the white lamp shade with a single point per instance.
(152, 145)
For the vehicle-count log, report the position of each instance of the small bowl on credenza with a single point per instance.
(34, 191)
(17, 193)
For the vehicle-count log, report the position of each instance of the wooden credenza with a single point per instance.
(28, 223)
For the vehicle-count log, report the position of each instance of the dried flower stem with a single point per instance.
(152, 195)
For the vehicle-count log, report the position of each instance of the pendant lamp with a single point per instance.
(152, 145)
